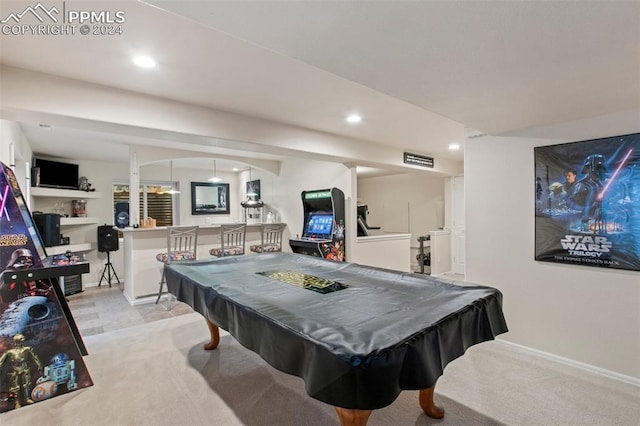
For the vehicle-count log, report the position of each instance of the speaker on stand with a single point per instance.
(108, 242)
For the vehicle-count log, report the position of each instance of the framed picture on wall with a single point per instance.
(253, 189)
(587, 203)
(209, 198)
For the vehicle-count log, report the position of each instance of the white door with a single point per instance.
(457, 234)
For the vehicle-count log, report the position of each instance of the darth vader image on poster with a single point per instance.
(588, 203)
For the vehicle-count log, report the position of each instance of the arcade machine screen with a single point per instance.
(319, 226)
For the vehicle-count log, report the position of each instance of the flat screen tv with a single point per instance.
(55, 174)
(319, 225)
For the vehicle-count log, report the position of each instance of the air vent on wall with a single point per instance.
(476, 135)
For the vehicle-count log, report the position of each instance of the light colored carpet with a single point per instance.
(158, 374)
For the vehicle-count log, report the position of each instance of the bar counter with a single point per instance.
(141, 245)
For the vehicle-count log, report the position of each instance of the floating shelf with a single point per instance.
(37, 191)
(78, 220)
(63, 249)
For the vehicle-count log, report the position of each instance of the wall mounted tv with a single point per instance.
(54, 174)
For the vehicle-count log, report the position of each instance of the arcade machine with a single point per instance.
(323, 231)
(40, 346)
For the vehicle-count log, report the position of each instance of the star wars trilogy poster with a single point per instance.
(588, 203)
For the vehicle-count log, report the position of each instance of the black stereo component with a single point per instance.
(72, 284)
(48, 225)
(122, 214)
(107, 238)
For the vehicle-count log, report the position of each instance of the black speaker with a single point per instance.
(122, 214)
(48, 225)
(107, 238)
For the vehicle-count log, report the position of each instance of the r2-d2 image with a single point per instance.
(62, 370)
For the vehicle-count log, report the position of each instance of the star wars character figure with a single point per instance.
(10, 290)
(20, 360)
(62, 370)
(585, 192)
(557, 196)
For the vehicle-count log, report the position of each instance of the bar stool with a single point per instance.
(271, 238)
(232, 239)
(182, 243)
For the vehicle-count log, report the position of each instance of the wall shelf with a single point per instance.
(78, 235)
(78, 220)
(37, 191)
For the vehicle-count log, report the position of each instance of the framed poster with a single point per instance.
(253, 189)
(587, 203)
(209, 198)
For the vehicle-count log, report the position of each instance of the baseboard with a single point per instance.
(139, 301)
(126, 296)
(576, 364)
(105, 284)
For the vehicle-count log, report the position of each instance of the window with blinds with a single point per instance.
(155, 201)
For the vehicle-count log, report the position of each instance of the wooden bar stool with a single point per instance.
(182, 243)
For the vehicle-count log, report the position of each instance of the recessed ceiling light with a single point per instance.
(144, 61)
(454, 146)
(354, 118)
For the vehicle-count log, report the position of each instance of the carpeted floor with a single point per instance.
(158, 374)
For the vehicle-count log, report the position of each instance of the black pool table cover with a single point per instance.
(358, 347)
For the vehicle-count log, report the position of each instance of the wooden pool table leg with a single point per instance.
(351, 417)
(215, 336)
(428, 406)
(347, 416)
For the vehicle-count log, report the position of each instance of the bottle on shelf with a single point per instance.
(79, 208)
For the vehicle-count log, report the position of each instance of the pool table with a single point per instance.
(357, 335)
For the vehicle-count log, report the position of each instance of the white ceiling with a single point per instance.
(496, 66)
(417, 71)
(67, 143)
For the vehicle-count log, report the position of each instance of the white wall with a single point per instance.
(10, 133)
(184, 177)
(586, 314)
(297, 175)
(405, 203)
